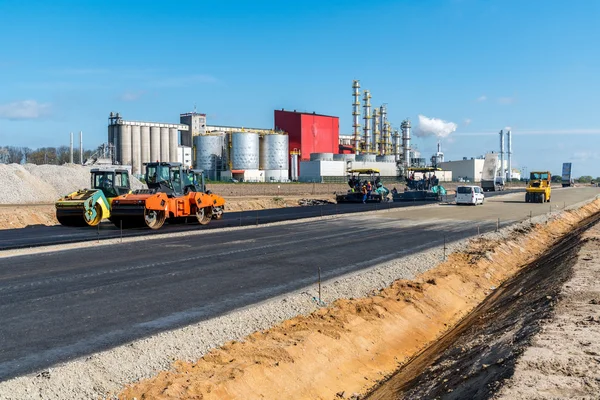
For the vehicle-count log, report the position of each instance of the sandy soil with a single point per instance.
(349, 347)
(563, 360)
(22, 216)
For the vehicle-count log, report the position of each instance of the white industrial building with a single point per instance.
(467, 169)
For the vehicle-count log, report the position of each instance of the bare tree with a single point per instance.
(15, 154)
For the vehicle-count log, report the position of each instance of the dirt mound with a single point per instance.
(35, 184)
(350, 346)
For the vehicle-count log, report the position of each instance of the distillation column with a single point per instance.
(502, 154)
(406, 142)
(376, 138)
(509, 155)
(356, 115)
(367, 118)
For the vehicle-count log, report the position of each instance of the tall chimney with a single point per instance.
(81, 147)
(71, 149)
(502, 153)
(376, 137)
(406, 142)
(367, 117)
(509, 154)
(356, 115)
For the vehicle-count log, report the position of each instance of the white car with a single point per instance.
(469, 195)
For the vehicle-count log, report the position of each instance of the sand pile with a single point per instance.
(29, 183)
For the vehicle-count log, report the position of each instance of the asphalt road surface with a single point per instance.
(59, 305)
(52, 235)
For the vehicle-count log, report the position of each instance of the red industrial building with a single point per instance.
(309, 133)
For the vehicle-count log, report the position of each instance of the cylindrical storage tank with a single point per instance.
(164, 144)
(136, 150)
(145, 146)
(117, 142)
(111, 136)
(366, 157)
(244, 150)
(209, 149)
(125, 146)
(344, 157)
(173, 144)
(321, 157)
(386, 158)
(274, 152)
(294, 167)
(154, 143)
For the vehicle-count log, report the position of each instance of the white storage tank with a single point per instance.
(209, 150)
(154, 143)
(125, 144)
(321, 157)
(244, 150)
(273, 158)
(173, 144)
(145, 144)
(344, 157)
(366, 158)
(164, 144)
(386, 158)
(136, 150)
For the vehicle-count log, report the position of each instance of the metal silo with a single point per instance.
(386, 158)
(145, 144)
(136, 150)
(164, 144)
(154, 143)
(125, 144)
(209, 151)
(244, 150)
(173, 144)
(273, 157)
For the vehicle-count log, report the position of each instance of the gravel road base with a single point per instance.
(102, 374)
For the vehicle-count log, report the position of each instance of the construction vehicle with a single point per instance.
(538, 190)
(566, 179)
(87, 207)
(357, 179)
(490, 181)
(425, 189)
(173, 194)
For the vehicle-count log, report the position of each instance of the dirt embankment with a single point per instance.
(350, 346)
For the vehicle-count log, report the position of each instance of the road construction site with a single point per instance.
(82, 320)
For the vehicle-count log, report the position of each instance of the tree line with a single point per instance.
(43, 155)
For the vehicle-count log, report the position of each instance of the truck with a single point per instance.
(490, 181)
(566, 180)
(539, 189)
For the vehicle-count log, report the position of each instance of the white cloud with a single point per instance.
(506, 100)
(434, 127)
(467, 121)
(132, 95)
(26, 109)
(481, 98)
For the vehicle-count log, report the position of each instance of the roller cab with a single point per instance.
(87, 207)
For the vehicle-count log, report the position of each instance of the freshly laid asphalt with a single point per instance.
(56, 306)
(52, 235)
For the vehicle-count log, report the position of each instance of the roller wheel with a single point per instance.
(96, 221)
(154, 219)
(204, 215)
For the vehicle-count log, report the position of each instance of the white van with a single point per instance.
(469, 195)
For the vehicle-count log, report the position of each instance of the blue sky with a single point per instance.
(484, 65)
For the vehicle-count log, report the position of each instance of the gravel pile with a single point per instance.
(29, 183)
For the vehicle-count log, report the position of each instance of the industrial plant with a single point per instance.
(300, 146)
